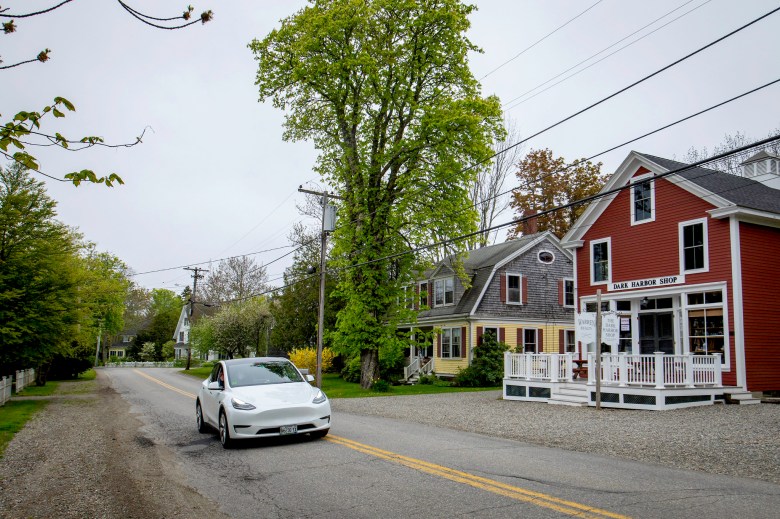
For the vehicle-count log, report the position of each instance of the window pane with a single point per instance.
(695, 299)
(624, 306)
(600, 262)
(713, 297)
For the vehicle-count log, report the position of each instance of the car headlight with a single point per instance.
(240, 404)
(319, 397)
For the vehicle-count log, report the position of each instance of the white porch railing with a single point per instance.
(657, 370)
(539, 366)
(417, 367)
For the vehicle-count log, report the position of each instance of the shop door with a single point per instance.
(656, 333)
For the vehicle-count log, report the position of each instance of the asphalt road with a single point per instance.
(376, 467)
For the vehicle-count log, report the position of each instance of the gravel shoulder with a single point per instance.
(732, 440)
(83, 456)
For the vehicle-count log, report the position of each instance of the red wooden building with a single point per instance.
(690, 261)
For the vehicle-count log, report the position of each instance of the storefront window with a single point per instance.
(706, 329)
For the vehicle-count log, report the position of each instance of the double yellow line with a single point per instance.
(521, 494)
(536, 498)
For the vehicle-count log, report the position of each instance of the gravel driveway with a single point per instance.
(84, 456)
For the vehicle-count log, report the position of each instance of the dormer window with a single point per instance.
(642, 200)
(444, 291)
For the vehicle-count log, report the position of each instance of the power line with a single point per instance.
(508, 103)
(209, 261)
(539, 41)
(521, 219)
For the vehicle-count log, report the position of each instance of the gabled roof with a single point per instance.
(723, 190)
(481, 264)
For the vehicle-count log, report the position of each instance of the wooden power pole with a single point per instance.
(196, 275)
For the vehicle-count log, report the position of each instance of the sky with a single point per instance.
(213, 177)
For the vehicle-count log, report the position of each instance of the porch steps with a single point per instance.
(570, 394)
(741, 398)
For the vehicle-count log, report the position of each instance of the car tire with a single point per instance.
(224, 431)
(202, 427)
(319, 434)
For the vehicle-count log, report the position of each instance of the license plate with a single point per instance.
(288, 429)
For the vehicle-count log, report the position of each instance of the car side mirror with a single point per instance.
(309, 378)
(214, 386)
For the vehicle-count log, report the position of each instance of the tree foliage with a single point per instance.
(295, 308)
(163, 314)
(25, 128)
(234, 279)
(546, 182)
(732, 163)
(57, 292)
(236, 330)
(383, 89)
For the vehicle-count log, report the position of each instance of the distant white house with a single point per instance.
(182, 337)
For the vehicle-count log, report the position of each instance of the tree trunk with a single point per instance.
(369, 368)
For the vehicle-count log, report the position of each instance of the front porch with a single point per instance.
(658, 381)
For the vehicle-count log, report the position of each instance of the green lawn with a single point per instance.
(336, 387)
(15, 413)
(13, 416)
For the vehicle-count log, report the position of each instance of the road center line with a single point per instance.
(489, 485)
(521, 494)
(172, 388)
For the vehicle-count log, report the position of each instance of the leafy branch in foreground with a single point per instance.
(17, 134)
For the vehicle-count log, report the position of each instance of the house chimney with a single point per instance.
(530, 226)
(763, 167)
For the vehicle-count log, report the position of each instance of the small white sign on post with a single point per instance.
(610, 329)
(585, 327)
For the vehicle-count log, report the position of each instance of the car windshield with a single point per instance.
(262, 373)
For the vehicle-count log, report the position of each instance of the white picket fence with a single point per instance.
(139, 364)
(7, 386)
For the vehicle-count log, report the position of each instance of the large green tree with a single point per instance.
(384, 90)
(237, 330)
(57, 292)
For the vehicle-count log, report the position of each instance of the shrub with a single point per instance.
(427, 380)
(381, 386)
(487, 368)
(306, 358)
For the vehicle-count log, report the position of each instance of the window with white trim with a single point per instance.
(694, 254)
(529, 340)
(490, 330)
(642, 200)
(600, 261)
(706, 324)
(444, 291)
(568, 293)
(514, 288)
(450, 343)
(569, 341)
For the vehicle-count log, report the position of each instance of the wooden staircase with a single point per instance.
(571, 394)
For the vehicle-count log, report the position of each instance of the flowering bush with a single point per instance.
(306, 358)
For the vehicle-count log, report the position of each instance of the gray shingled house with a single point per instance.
(520, 290)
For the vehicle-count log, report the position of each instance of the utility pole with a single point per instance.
(100, 332)
(196, 275)
(328, 224)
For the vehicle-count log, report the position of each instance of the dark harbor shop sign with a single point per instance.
(647, 283)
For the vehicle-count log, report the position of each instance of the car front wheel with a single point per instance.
(202, 427)
(224, 431)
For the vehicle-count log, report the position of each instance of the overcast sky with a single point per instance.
(213, 177)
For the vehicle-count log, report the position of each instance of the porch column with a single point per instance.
(659, 369)
(569, 375)
(507, 365)
(718, 370)
(555, 360)
(689, 381)
(527, 365)
(622, 370)
(591, 369)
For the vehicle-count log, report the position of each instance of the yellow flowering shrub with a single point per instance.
(306, 358)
